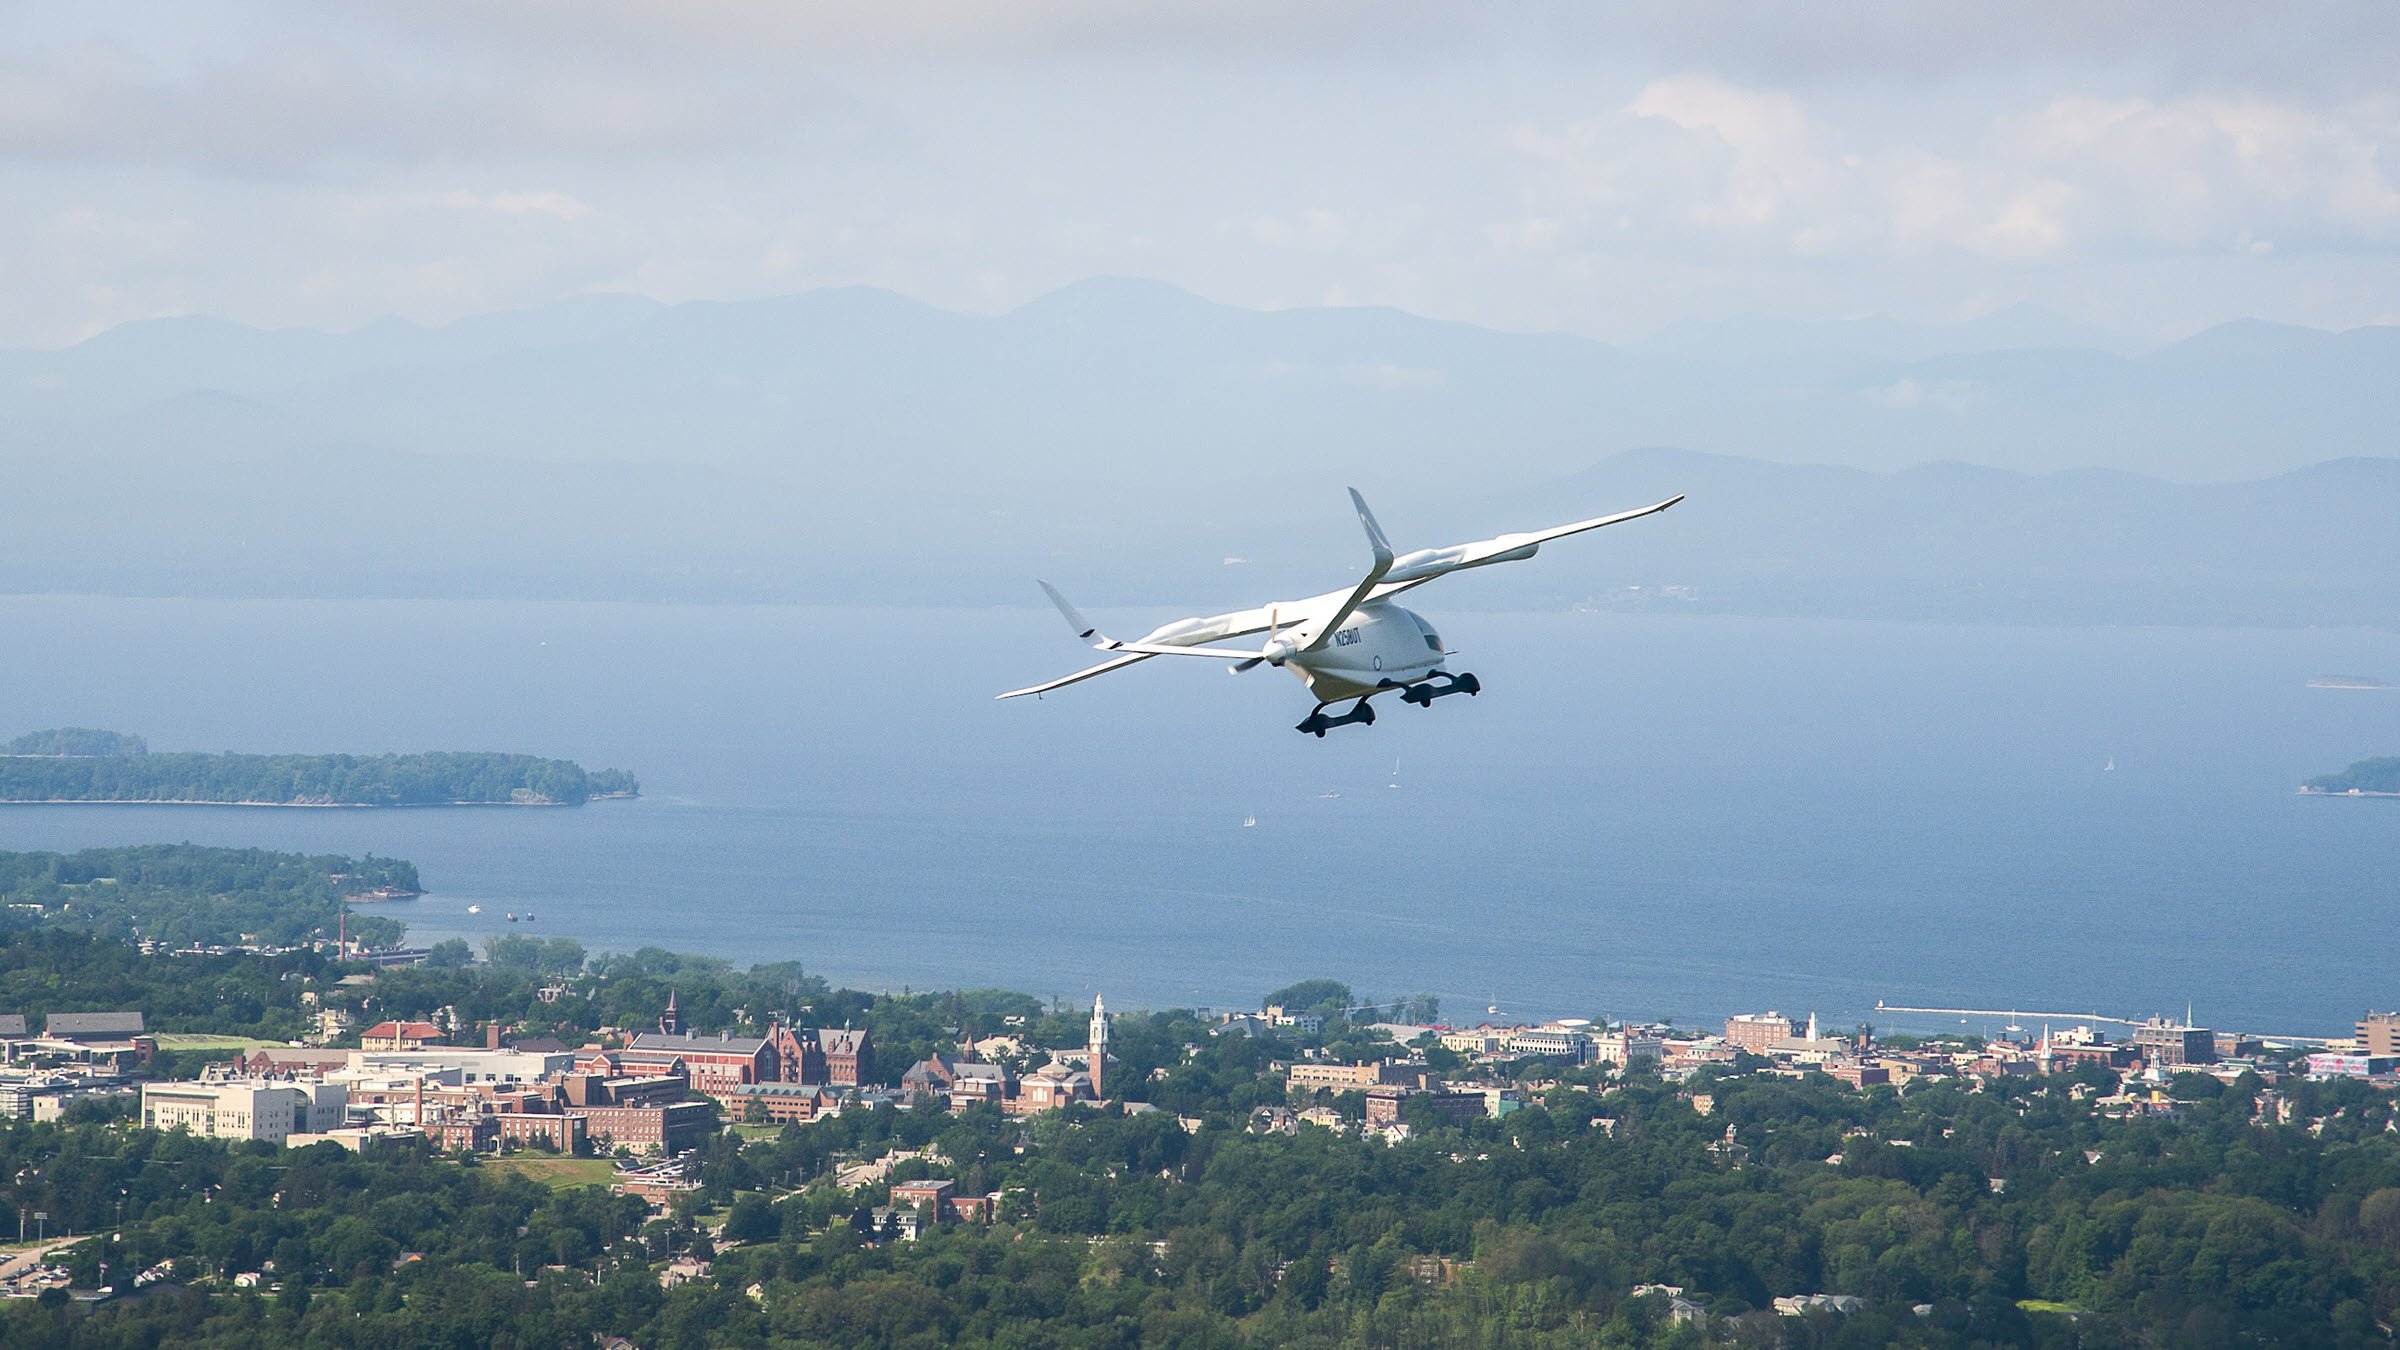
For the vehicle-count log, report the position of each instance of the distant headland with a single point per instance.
(81, 766)
(2366, 778)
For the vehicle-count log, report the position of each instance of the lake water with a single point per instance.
(1639, 816)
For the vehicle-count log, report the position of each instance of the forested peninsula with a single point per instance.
(74, 764)
(2376, 777)
(188, 894)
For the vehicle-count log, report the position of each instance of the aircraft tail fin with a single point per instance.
(1382, 548)
(1375, 540)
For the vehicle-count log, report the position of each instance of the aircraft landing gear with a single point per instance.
(1317, 723)
(1425, 691)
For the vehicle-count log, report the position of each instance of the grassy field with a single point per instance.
(558, 1173)
(759, 1131)
(178, 1040)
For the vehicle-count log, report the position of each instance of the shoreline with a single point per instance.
(2344, 792)
(307, 806)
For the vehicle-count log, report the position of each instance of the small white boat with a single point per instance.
(1326, 796)
(474, 909)
(2111, 766)
(1249, 822)
(512, 916)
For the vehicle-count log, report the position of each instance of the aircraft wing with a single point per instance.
(1415, 569)
(1084, 674)
(1310, 622)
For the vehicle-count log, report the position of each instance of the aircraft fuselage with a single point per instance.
(1379, 642)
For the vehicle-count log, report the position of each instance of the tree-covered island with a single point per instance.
(75, 764)
(2376, 777)
(77, 743)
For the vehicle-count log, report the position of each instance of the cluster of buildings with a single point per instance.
(918, 1205)
(970, 1078)
(2151, 1051)
(72, 1057)
(2148, 1055)
(639, 1096)
(405, 1079)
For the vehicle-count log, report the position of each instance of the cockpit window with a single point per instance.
(1433, 641)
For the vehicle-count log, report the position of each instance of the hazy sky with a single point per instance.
(1602, 169)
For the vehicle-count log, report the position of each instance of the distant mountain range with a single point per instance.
(852, 445)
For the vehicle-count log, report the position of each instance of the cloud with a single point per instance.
(1552, 165)
(1948, 396)
(2215, 172)
(558, 204)
(1718, 165)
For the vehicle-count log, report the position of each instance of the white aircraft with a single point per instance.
(1351, 644)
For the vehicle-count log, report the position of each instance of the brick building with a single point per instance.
(1386, 1105)
(1311, 1075)
(668, 1129)
(716, 1064)
(782, 1103)
(940, 1202)
(1050, 1087)
(283, 1061)
(1758, 1032)
(400, 1036)
(961, 1082)
(1861, 1073)
(841, 1057)
(2065, 1055)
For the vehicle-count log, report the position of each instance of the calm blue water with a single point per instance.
(1651, 817)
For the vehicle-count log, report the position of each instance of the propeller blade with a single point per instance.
(1253, 662)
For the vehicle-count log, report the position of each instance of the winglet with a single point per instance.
(1375, 539)
(1075, 620)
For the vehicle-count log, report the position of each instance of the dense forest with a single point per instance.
(436, 779)
(186, 894)
(2367, 775)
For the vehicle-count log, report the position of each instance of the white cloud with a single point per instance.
(2074, 177)
(2211, 172)
(1947, 396)
(1546, 166)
